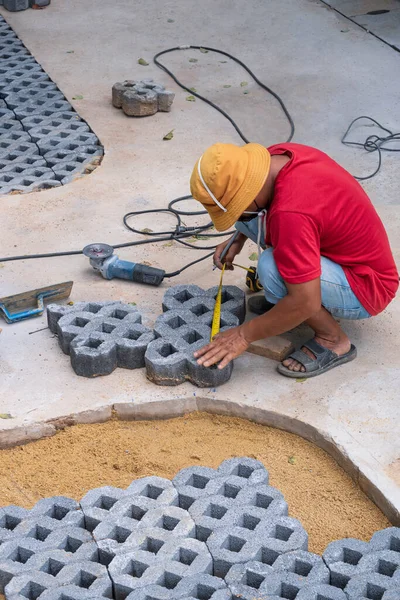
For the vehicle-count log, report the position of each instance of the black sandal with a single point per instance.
(324, 360)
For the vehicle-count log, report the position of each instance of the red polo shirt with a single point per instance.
(320, 209)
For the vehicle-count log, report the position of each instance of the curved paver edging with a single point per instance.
(382, 497)
(44, 142)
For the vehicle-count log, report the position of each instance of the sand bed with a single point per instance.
(319, 493)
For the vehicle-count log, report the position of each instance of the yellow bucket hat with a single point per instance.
(227, 178)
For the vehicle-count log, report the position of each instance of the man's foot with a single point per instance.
(259, 305)
(317, 356)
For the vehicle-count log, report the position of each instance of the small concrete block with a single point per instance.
(14, 5)
(43, 105)
(268, 500)
(248, 468)
(56, 127)
(10, 517)
(165, 100)
(202, 586)
(343, 557)
(386, 539)
(97, 503)
(55, 120)
(94, 355)
(87, 575)
(244, 580)
(81, 154)
(230, 547)
(369, 585)
(321, 591)
(309, 566)
(284, 535)
(29, 585)
(56, 311)
(139, 102)
(383, 562)
(64, 140)
(11, 149)
(118, 90)
(26, 88)
(170, 518)
(36, 95)
(156, 488)
(275, 347)
(19, 161)
(194, 482)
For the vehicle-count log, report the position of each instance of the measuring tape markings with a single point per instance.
(216, 322)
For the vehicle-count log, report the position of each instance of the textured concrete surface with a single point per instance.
(327, 77)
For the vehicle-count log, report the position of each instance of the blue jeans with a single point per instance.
(336, 294)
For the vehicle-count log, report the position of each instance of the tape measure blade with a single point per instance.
(216, 322)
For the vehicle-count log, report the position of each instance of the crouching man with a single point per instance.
(323, 251)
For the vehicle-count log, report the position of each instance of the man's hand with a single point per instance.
(225, 347)
(230, 255)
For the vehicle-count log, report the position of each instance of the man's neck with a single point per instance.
(278, 161)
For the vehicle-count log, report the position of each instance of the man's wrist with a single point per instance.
(247, 332)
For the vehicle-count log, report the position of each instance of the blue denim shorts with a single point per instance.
(336, 294)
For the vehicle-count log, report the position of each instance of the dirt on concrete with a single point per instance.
(319, 493)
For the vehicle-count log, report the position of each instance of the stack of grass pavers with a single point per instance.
(43, 142)
(101, 336)
(209, 534)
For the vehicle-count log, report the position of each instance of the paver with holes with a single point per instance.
(209, 534)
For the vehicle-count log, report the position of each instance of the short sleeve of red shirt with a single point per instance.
(296, 242)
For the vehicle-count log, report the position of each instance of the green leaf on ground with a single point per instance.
(169, 135)
(168, 244)
(223, 61)
(190, 98)
(70, 51)
(170, 21)
(143, 62)
(132, 303)
(253, 256)
(245, 91)
(6, 416)
(193, 89)
(77, 97)
(193, 60)
(292, 460)
(203, 50)
(301, 379)
(227, 86)
(243, 84)
(146, 230)
(344, 30)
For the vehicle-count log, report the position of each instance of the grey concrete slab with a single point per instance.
(386, 26)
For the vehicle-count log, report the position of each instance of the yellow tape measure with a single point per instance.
(216, 322)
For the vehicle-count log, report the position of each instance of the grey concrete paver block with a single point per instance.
(370, 585)
(79, 155)
(23, 77)
(10, 517)
(69, 140)
(140, 103)
(46, 105)
(386, 539)
(12, 149)
(244, 580)
(310, 567)
(29, 585)
(56, 127)
(15, 5)
(197, 300)
(321, 591)
(27, 88)
(41, 93)
(202, 586)
(97, 503)
(56, 311)
(141, 98)
(118, 89)
(343, 557)
(55, 120)
(156, 488)
(248, 468)
(20, 161)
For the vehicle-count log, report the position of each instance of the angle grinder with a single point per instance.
(103, 259)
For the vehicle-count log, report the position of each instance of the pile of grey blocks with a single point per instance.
(209, 534)
(184, 327)
(17, 5)
(141, 98)
(44, 142)
(101, 336)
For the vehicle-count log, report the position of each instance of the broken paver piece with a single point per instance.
(141, 98)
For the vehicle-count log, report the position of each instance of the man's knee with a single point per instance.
(270, 279)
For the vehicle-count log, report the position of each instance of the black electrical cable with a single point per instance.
(373, 143)
(218, 108)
